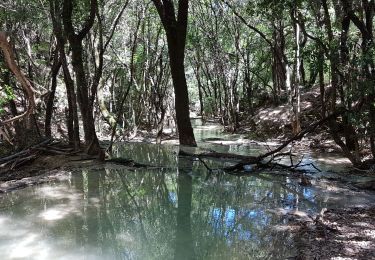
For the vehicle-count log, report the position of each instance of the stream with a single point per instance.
(177, 211)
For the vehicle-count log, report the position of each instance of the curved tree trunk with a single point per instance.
(72, 113)
(26, 85)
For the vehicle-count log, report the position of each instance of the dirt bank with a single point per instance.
(43, 169)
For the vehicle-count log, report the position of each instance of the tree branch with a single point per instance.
(114, 25)
(90, 21)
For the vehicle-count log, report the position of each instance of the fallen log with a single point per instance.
(23, 152)
(24, 160)
(231, 156)
(253, 162)
(259, 160)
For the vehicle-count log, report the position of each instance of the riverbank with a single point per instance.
(338, 234)
(43, 169)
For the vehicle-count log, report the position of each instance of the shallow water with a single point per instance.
(177, 212)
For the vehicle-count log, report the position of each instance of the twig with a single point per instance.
(299, 163)
(309, 164)
(205, 164)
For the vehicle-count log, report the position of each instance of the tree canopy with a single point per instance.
(84, 70)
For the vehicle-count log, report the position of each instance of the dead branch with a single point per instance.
(23, 153)
(205, 164)
(128, 162)
(300, 135)
(212, 154)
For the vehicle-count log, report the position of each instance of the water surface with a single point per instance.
(176, 211)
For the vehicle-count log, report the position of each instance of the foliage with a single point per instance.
(239, 56)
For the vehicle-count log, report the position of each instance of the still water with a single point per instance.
(177, 211)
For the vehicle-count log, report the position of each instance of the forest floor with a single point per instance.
(338, 234)
(274, 123)
(269, 122)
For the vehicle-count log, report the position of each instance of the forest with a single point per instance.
(177, 129)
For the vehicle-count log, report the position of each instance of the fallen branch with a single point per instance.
(52, 151)
(129, 162)
(22, 161)
(23, 156)
(231, 156)
(254, 161)
(300, 135)
(205, 164)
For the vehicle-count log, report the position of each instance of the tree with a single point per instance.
(85, 94)
(72, 115)
(176, 30)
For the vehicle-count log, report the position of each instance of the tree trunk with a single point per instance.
(296, 96)
(87, 113)
(278, 62)
(72, 113)
(85, 98)
(51, 97)
(176, 28)
(26, 85)
(176, 61)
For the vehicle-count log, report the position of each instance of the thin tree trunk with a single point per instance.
(51, 97)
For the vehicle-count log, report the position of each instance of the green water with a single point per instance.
(179, 211)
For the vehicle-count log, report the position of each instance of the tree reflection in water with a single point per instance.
(171, 213)
(184, 248)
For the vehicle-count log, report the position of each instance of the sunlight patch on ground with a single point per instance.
(283, 228)
(370, 233)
